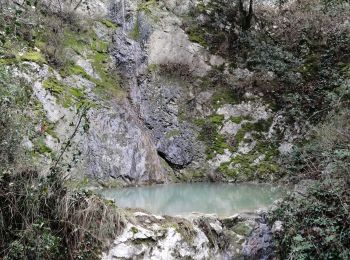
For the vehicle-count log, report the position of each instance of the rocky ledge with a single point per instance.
(198, 236)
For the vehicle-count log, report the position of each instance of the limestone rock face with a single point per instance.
(117, 147)
(160, 107)
(160, 98)
(109, 144)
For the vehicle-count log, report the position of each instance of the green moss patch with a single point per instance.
(109, 24)
(135, 33)
(54, 86)
(244, 168)
(108, 85)
(8, 61)
(217, 119)
(197, 36)
(41, 147)
(99, 46)
(33, 56)
(147, 6)
(71, 68)
(67, 96)
(236, 119)
(209, 134)
(242, 229)
(224, 96)
(134, 230)
(75, 42)
(191, 175)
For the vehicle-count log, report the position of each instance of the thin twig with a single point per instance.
(70, 138)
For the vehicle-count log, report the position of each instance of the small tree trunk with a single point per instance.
(246, 17)
(250, 14)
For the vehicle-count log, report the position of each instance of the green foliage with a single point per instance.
(236, 120)
(54, 86)
(36, 240)
(195, 35)
(217, 119)
(109, 24)
(317, 224)
(108, 86)
(68, 96)
(36, 57)
(147, 6)
(135, 33)
(243, 167)
(12, 20)
(73, 69)
(134, 230)
(77, 93)
(95, 50)
(214, 29)
(99, 46)
(224, 96)
(42, 147)
(215, 142)
(41, 219)
(74, 41)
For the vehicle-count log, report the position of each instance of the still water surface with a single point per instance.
(181, 199)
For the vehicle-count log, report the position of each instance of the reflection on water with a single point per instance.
(179, 199)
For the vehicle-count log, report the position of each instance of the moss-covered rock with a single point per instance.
(33, 56)
(55, 87)
(242, 229)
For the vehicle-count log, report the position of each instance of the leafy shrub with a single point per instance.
(40, 218)
(317, 223)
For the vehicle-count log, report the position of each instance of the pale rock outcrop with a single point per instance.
(255, 110)
(193, 237)
(175, 48)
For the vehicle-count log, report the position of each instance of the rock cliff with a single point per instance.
(143, 100)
